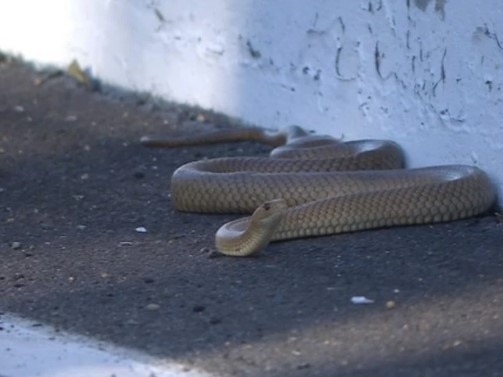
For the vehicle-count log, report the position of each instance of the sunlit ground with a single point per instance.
(29, 349)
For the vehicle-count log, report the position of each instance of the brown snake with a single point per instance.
(316, 185)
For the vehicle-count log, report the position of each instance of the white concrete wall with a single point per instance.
(426, 73)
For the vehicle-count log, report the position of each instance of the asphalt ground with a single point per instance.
(75, 186)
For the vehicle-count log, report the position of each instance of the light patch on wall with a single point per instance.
(39, 34)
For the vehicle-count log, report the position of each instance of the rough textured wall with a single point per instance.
(427, 73)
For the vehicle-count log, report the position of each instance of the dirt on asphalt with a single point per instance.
(76, 187)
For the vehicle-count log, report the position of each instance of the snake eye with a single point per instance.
(267, 206)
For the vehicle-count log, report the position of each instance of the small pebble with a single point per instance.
(152, 307)
(361, 300)
(141, 229)
(16, 245)
(198, 308)
(390, 304)
(303, 366)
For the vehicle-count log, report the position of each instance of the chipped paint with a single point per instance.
(439, 6)
(427, 73)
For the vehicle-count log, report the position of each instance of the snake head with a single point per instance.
(249, 236)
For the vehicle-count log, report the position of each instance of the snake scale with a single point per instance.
(317, 185)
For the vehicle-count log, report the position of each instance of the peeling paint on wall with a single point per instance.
(439, 6)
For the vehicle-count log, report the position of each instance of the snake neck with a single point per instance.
(250, 235)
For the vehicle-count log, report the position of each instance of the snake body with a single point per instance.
(316, 185)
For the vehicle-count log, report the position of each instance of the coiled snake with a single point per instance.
(316, 185)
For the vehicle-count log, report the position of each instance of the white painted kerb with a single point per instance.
(28, 349)
(425, 73)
